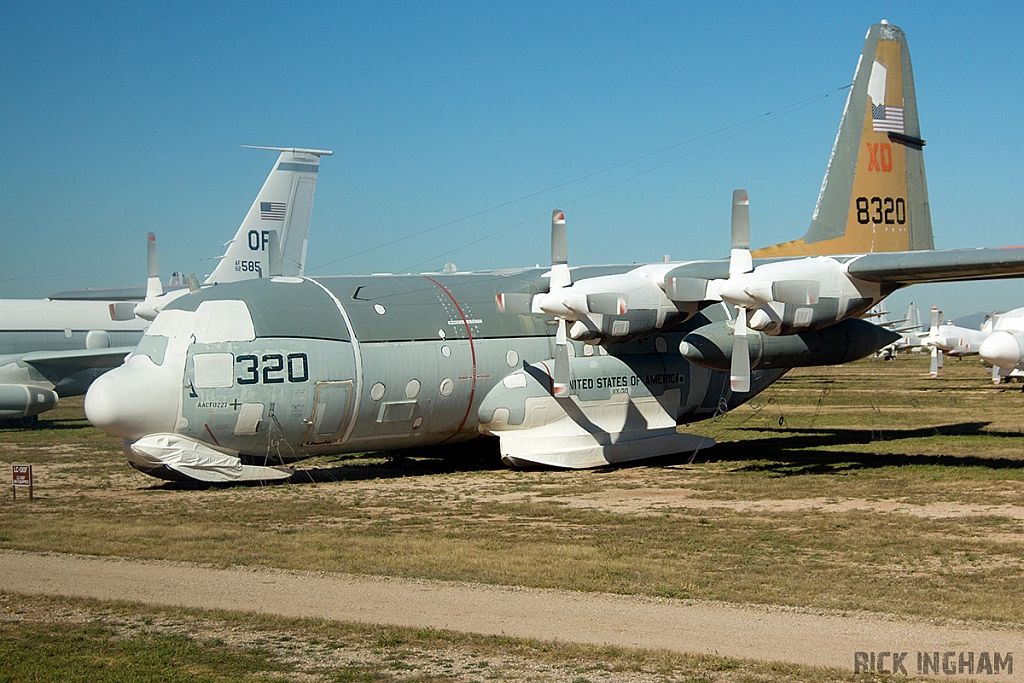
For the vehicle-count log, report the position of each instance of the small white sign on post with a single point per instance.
(22, 476)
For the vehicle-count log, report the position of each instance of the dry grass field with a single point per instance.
(867, 487)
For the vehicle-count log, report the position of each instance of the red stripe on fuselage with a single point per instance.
(210, 432)
(472, 350)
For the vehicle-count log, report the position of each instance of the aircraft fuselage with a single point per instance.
(286, 368)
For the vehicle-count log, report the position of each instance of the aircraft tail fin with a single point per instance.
(874, 196)
(913, 317)
(282, 208)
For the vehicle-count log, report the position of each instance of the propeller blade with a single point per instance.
(796, 292)
(153, 286)
(939, 356)
(740, 262)
(739, 371)
(561, 378)
(559, 251)
(559, 246)
(740, 220)
(933, 370)
(739, 258)
(514, 303)
(607, 303)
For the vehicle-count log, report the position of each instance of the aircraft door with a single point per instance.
(330, 414)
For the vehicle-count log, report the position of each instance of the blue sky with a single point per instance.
(124, 118)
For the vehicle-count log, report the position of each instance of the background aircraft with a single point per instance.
(1003, 347)
(909, 326)
(948, 340)
(570, 367)
(57, 346)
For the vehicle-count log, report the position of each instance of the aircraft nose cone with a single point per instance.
(134, 400)
(1001, 349)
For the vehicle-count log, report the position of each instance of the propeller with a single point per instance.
(560, 279)
(750, 293)
(153, 286)
(936, 363)
(740, 263)
(565, 303)
(933, 336)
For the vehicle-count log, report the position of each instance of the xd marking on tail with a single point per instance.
(874, 196)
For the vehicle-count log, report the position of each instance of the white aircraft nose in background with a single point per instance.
(1002, 350)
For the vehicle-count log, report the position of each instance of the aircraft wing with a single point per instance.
(112, 294)
(902, 268)
(898, 268)
(77, 359)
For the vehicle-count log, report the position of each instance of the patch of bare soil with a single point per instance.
(652, 501)
(808, 637)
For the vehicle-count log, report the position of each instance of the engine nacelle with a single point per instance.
(20, 400)
(711, 346)
(618, 328)
(779, 319)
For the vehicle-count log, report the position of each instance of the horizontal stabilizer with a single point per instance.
(293, 150)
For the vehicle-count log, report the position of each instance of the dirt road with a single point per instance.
(763, 633)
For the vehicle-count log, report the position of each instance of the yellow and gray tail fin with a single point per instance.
(874, 196)
(273, 236)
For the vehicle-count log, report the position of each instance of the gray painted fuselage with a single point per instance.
(345, 364)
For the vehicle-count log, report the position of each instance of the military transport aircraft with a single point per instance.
(949, 340)
(568, 366)
(57, 346)
(909, 326)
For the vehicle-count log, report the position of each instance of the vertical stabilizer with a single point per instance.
(277, 225)
(874, 196)
(913, 317)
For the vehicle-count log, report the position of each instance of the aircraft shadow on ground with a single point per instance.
(787, 452)
(792, 451)
(475, 456)
(58, 425)
(394, 468)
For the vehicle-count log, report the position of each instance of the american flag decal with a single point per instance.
(274, 211)
(884, 118)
